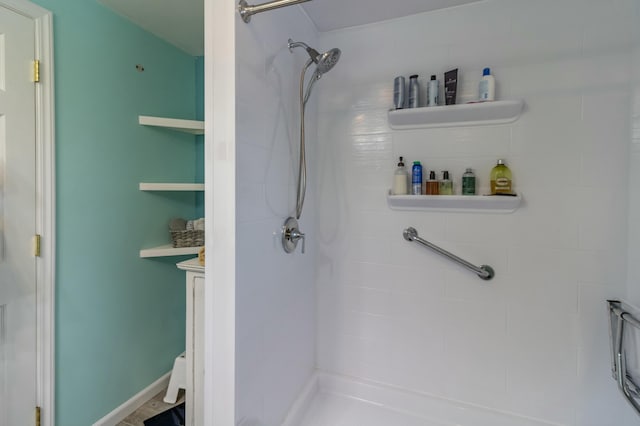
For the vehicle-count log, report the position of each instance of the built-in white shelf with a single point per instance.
(145, 186)
(168, 250)
(191, 265)
(456, 203)
(195, 127)
(473, 114)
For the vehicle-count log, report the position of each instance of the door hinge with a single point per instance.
(36, 245)
(36, 71)
(38, 423)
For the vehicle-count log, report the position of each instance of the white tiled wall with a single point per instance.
(634, 174)
(534, 339)
(275, 293)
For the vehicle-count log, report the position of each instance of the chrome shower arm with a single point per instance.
(246, 10)
(313, 53)
(293, 44)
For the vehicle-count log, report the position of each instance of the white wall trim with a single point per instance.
(45, 128)
(45, 204)
(128, 407)
(221, 19)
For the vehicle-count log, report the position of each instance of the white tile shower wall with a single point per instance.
(532, 341)
(633, 287)
(275, 293)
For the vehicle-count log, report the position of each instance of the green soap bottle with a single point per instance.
(468, 182)
(501, 179)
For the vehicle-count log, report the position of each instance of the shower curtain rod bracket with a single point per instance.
(246, 10)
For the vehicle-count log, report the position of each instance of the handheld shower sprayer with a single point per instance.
(324, 63)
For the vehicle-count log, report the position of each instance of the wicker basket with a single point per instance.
(187, 238)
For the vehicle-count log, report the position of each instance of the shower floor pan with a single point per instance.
(331, 400)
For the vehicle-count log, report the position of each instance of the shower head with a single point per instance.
(324, 61)
(327, 60)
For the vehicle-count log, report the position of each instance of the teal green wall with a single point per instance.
(119, 318)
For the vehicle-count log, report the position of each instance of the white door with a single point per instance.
(17, 220)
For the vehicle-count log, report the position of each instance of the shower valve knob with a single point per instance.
(296, 235)
(291, 235)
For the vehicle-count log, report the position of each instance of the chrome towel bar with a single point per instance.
(618, 317)
(485, 271)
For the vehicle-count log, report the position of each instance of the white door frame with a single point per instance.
(45, 204)
(220, 212)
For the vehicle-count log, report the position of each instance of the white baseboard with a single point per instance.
(128, 407)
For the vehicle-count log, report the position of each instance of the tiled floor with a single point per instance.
(150, 408)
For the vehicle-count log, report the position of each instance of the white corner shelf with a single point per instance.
(194, 127)
(146, 186)
(472, 114)
(191, 265)
(168, 250)
(455, 203)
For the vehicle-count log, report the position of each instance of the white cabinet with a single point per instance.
(194, 350)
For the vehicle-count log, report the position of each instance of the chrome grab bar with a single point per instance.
(246, 10)
(484, 271)
(618, 317)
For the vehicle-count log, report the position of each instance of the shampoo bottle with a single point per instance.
(400, 180)
(446, 186)
(487, 86)
(501, 179)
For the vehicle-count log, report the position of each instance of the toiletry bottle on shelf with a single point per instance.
(450, 87)
(501, 179)
(399, 92)
(416, 178)
(432, 89)
(446, 185)
(400, 180)
(487, 86)
(414, 91)
(432, 184)
(468, 182)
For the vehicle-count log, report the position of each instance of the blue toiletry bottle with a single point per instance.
(416, 178)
